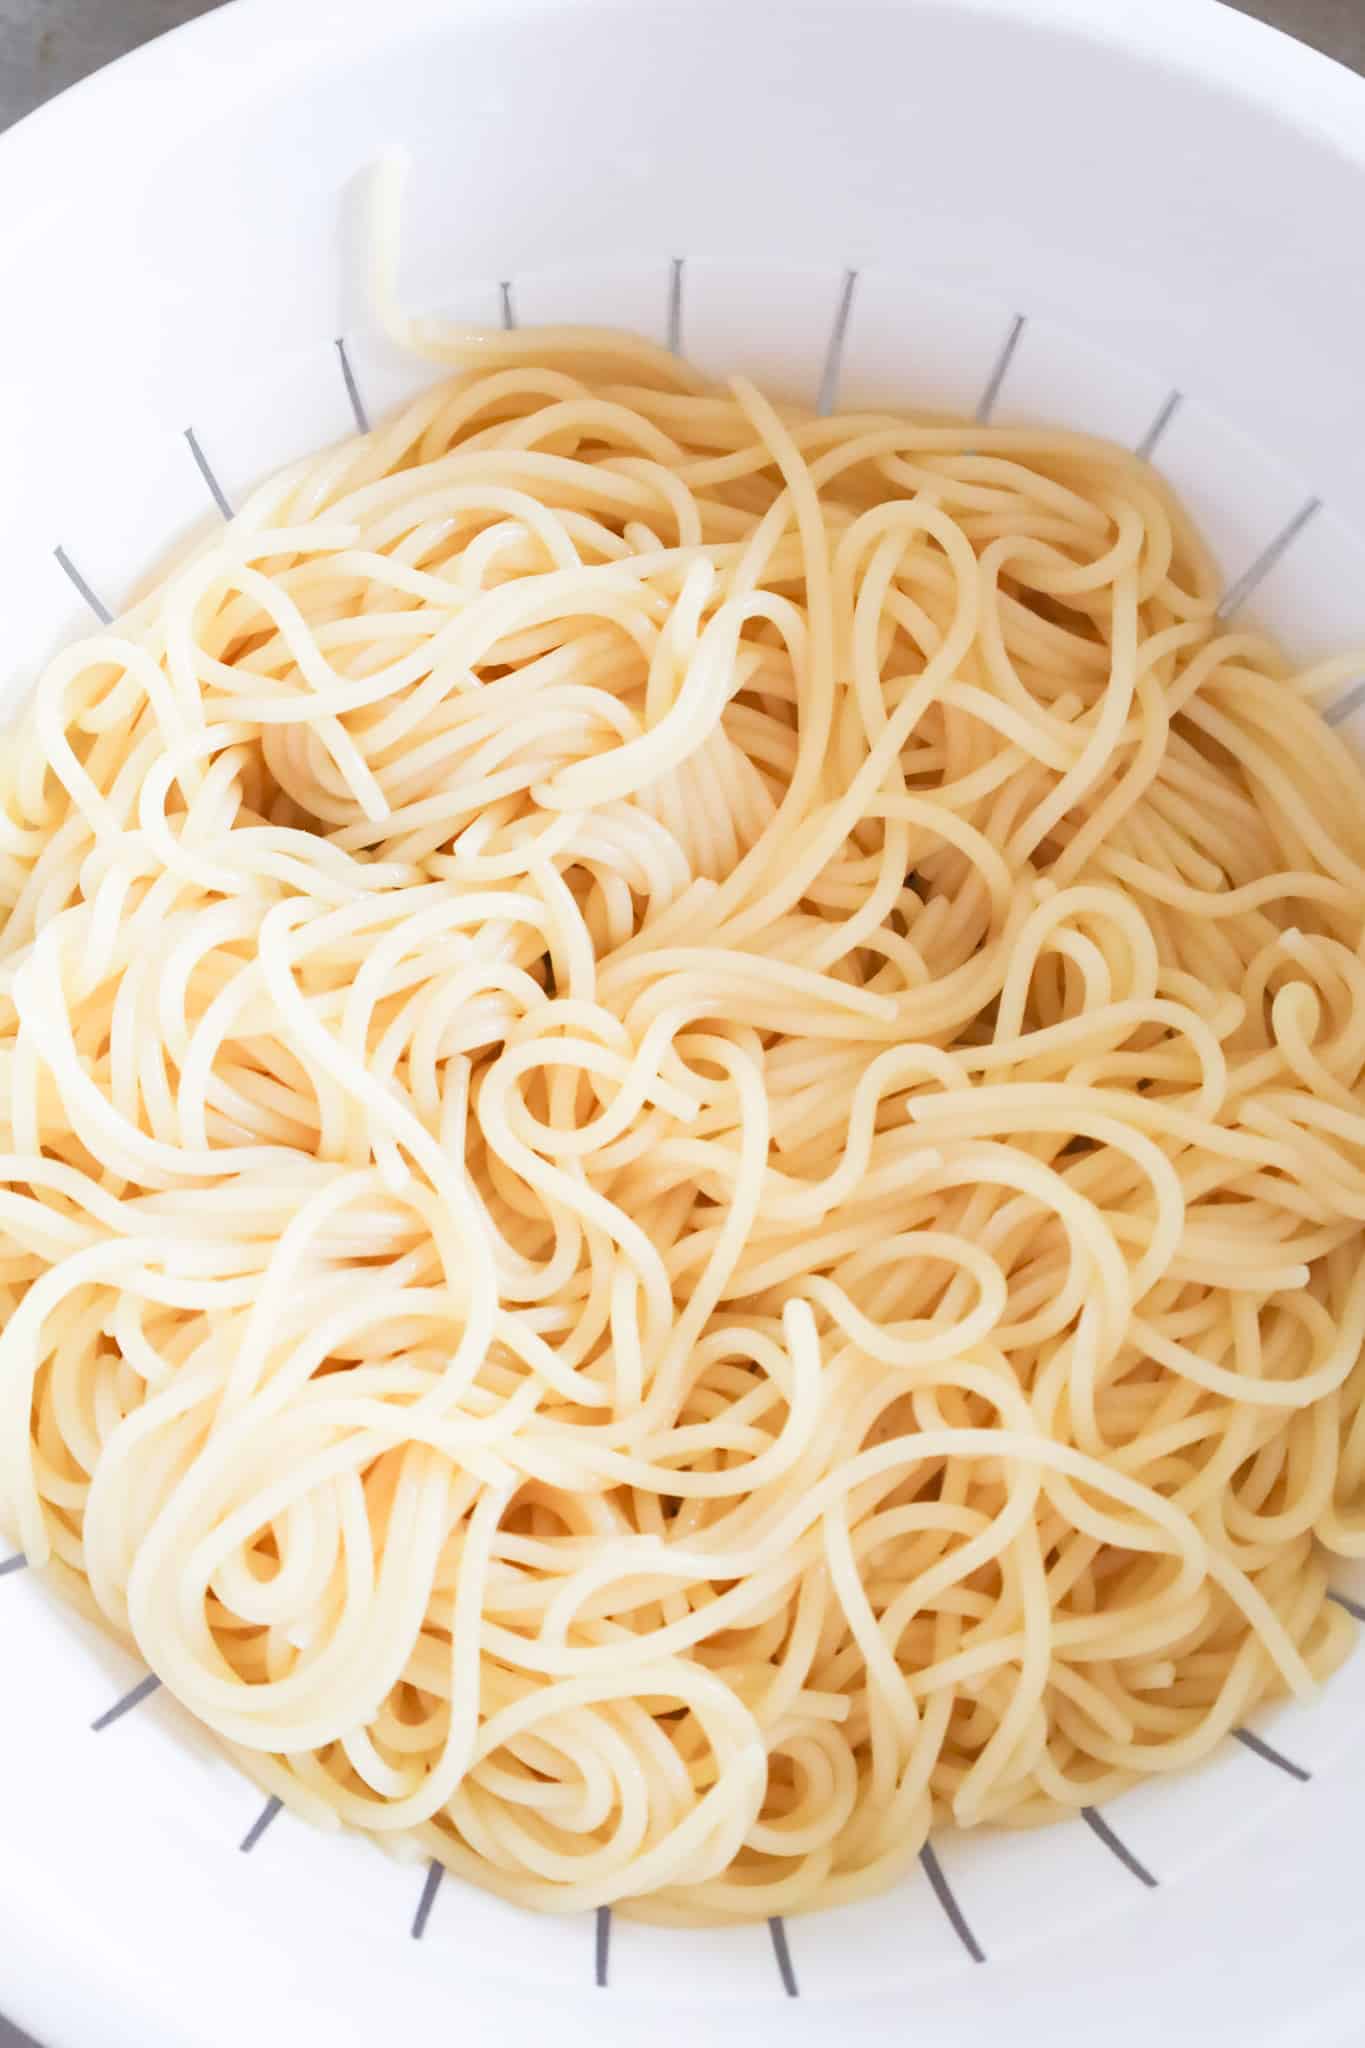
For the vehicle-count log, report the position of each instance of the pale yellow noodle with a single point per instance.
(683, 1158)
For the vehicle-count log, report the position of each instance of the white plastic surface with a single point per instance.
(1167, 195)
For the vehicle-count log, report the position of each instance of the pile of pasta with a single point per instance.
(683, 1152)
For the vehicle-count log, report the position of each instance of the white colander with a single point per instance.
(1140, 217)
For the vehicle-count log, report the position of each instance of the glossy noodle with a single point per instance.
(684, 1167)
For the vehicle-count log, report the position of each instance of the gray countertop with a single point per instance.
(48, 44)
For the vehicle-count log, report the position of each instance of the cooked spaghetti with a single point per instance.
(684, 1162)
